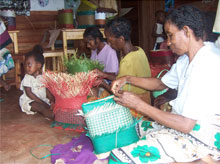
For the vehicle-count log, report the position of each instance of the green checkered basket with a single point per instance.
(109, 125)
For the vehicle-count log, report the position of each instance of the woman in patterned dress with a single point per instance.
(191, 131)
(6, 61)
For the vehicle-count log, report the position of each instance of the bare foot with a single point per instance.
(208, 160)
(6, 85)
(48, 114)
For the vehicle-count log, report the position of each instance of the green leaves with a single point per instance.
(81, 64)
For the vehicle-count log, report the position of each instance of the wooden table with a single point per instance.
(14, 38)
(72, 34)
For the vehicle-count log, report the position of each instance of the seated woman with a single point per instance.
(191, 131)
(133, 62)
(102, 52)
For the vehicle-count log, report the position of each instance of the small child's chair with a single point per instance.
(57, 60)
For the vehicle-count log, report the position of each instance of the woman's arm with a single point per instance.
(145, 83)
(167, 119)
(32, 96)
(109, 76)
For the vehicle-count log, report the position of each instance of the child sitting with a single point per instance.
(35, 97)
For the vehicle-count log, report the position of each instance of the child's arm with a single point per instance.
(50, 97)
(32, 96)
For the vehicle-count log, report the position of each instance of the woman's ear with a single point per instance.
(187, 30)
(97, 40)
(122, 38)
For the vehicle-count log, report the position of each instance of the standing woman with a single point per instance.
(6, 61)
(192, 130)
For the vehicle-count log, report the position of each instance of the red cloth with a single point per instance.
(156, 69)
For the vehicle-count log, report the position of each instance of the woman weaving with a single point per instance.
(191, 131)
(133, 59)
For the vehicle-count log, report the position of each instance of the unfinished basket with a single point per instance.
(109, 125)
(70, 92)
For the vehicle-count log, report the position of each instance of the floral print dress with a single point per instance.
(159, 144)
(6, 61)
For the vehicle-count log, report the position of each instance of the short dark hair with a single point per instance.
(94, 32)
(158, 12)
(120, 27)
(37, 53)
(190, 16)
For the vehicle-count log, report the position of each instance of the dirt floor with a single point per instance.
(20, 133)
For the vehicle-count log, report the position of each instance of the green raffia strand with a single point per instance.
(81, 64)
(43, 156)
(64, 125)
(125, 136)
(86, 107)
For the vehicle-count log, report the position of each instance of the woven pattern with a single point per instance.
(108, 118)
(69, 117)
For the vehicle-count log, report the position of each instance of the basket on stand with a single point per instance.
(70, 92)
(66, 112)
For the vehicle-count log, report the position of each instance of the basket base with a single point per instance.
(108, 142)
(69, 117)
(71, 127)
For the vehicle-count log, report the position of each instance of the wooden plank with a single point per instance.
(36, 18)
(36, 26)
(37, 13)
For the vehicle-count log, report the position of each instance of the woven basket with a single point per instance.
(69, 117)
(109, 125)
(66, 112)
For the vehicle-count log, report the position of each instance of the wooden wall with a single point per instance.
(142, 19)
(32, 28)
(147, 19)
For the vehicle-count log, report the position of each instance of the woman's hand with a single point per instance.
(160, 100)
(97, 82)
(100, 73)
(128, 99)
(118, 84)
